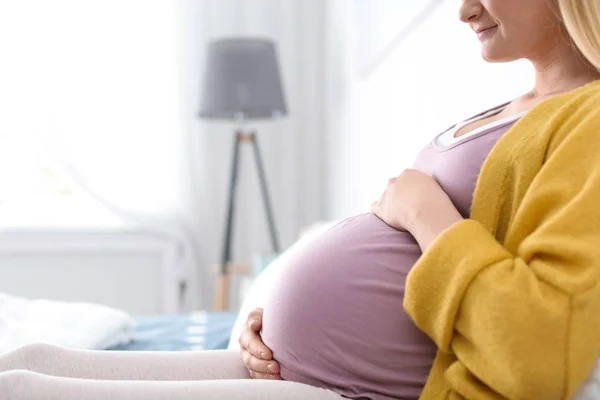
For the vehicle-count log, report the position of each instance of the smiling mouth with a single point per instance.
(485, 29)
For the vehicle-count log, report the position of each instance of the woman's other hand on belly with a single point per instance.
(257, 357)
(416, 202)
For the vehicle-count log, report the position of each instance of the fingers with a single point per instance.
(252, 343)
(257, 357)
(250, 339)
(259, 366)
(257, 375)
(260, 369)
(254, 357)
(254, 321)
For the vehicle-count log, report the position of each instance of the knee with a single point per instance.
(30, 357)
(39, 351)
(17, 384)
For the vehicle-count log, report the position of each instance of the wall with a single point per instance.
(376, 125)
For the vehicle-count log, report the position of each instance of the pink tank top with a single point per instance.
(335, 319)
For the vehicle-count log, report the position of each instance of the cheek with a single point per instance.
(529, 31)
(499, 48)
(535, 39)
(525, 27)
(517, 41)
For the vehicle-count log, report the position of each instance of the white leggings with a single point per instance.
(45, 372)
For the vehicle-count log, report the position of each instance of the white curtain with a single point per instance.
(378, 122)
(98, 85)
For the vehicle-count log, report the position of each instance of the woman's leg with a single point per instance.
(117, 365)
(27, 385)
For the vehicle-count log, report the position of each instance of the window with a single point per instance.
(97, 80)
(34, 191)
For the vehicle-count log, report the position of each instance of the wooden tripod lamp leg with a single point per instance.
(222, 289)
(223, 284)
(222, 293)
(265, 193)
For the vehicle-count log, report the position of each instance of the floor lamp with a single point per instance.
(242, 82)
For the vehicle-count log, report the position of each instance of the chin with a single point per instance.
(497, 57)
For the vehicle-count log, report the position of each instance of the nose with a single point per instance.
(470, 10)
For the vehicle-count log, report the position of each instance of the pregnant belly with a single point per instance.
(335, 317)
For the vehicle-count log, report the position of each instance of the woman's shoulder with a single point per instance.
(584, 100)
(570, 116)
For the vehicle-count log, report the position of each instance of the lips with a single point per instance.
(481, 30)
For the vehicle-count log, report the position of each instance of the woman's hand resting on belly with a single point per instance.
(257, 357)
(416, 202)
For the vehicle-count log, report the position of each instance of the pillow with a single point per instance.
(258, 292)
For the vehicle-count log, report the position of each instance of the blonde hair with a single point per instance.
(582, 19)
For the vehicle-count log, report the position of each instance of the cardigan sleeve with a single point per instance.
(510, 317)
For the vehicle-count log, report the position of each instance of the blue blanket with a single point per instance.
(196, 331)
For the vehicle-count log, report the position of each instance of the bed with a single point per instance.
(201, 330)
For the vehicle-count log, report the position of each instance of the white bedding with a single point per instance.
(76, 325)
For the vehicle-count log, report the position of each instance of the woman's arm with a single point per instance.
(523, 317)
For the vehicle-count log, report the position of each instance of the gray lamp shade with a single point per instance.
(242, 80)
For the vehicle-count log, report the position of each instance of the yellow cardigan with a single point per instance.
(511, 296)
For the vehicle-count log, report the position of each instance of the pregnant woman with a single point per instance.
(476, 276)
